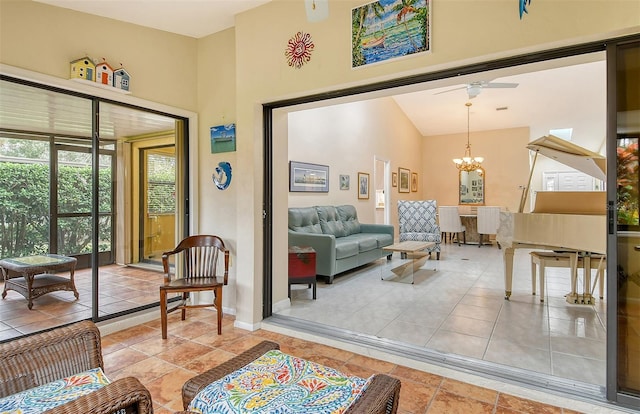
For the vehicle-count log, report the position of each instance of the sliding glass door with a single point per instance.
(623, 375)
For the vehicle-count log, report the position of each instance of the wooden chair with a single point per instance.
(197, 256)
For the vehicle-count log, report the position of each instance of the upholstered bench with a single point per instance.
(263, 379)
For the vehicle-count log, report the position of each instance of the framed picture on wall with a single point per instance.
(414, 182)
(363, 185)
(308, 177)
(403, 180)
(344, 182)
(394, 179)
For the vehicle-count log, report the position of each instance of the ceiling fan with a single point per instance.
(474, 88)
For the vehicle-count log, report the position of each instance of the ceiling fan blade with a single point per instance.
(500, 85)
(451, 90)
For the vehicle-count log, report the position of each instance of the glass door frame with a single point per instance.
(613, 391)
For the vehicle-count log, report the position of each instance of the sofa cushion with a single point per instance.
(349, 217)
(365, 241)
(330, 221)
(346, 247)
(47, 396)
(304, 220)
(382, 239)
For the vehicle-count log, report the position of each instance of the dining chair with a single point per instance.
(450, 223)
(488, 222)
(197, 257)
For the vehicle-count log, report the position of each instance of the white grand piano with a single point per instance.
(573, 222)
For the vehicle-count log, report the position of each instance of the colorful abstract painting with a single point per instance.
(389, 29)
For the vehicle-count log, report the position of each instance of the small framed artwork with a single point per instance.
(223, 138)
(344, 182)
(394, 179)
(308, 177)
(403, 180)
(363, 185)
(414, 182)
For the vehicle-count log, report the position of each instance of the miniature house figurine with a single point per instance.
(104, 74)
(83, 68)
(121, 79)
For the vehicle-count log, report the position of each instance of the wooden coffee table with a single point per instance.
(414, 251)
(30, 276)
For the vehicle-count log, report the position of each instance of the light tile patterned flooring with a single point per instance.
(193, 346)
(460, 309)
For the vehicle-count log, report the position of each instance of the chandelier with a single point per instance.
(468, 163)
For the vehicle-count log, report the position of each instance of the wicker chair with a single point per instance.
(380, 397)
(48, 356)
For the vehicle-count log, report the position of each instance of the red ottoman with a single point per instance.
(302, 267)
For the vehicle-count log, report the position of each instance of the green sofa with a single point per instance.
(341, 242)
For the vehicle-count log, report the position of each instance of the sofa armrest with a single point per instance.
(377, 228)
(120, 394)
(323, 244)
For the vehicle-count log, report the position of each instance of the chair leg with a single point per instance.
(458, 238)
(218, 302)
(163, 313)
(437, 255)
(185, 296)
(464, 237)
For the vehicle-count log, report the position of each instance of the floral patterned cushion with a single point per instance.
(280, 383)
(42, 398)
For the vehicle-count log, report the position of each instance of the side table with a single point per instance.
(30, 275)
(302, 267)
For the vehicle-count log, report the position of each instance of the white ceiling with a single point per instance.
(561, 94)
(193, 18)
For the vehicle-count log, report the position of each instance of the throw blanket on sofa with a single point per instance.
(280, 383)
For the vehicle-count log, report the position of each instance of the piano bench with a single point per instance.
(544, 259)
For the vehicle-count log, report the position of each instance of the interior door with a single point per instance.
(157, 218)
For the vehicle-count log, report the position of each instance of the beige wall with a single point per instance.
(506, 165)
(182, 72)
(44, 39)
(348, 137)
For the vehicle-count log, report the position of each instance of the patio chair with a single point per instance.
(27, 363)
(417, 221)
(197, 256)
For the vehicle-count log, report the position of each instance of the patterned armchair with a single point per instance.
(417, 221)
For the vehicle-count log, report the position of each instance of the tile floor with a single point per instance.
(459, 308)
(121, 288)
(193, 346)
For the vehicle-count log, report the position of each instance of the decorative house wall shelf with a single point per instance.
(83, 68)
(104, 74)
(101, 75)
(121, 79)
